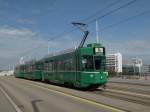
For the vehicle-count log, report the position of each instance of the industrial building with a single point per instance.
(146, 69)
(114, 62)
(130, 70)
(133, 67)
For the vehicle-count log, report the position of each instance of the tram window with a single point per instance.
(68, 65)
(97, 64)
(46, 66)
(87, 62)
(50, 66)
(39, 67)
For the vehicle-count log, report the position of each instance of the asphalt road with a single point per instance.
(5, 105)
(33, 99)
(31, 96)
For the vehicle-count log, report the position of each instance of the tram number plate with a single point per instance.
(98, 50)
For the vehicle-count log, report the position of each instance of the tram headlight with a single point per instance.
(91, 75)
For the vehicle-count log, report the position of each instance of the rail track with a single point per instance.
(133, 97)
(130, 87)
(130, 83)
(134, 90)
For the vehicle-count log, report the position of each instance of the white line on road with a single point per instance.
(11, 101)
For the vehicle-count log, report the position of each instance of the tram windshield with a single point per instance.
(87, 62)
(93, 63)
(99, 62)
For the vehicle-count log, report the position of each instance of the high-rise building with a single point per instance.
(114, 62)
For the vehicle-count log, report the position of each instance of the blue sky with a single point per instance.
(26, 25)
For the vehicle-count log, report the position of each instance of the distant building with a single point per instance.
(114, 62)
(137, 62)
(146, 69)
(130, 70)
(21, 61)
(6, 73)
(133, 67)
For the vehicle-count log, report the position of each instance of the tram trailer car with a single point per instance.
(30, 70)
(82, 68)
(19, 71)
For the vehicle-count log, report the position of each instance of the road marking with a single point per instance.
(129, 93)
(11, 101)
(113, 109)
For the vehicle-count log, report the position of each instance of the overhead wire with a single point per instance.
(93, 20)
(67, 32)
(100, 17)
(102, 10)
(112, 11)
(89, 17)
(125, 20)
